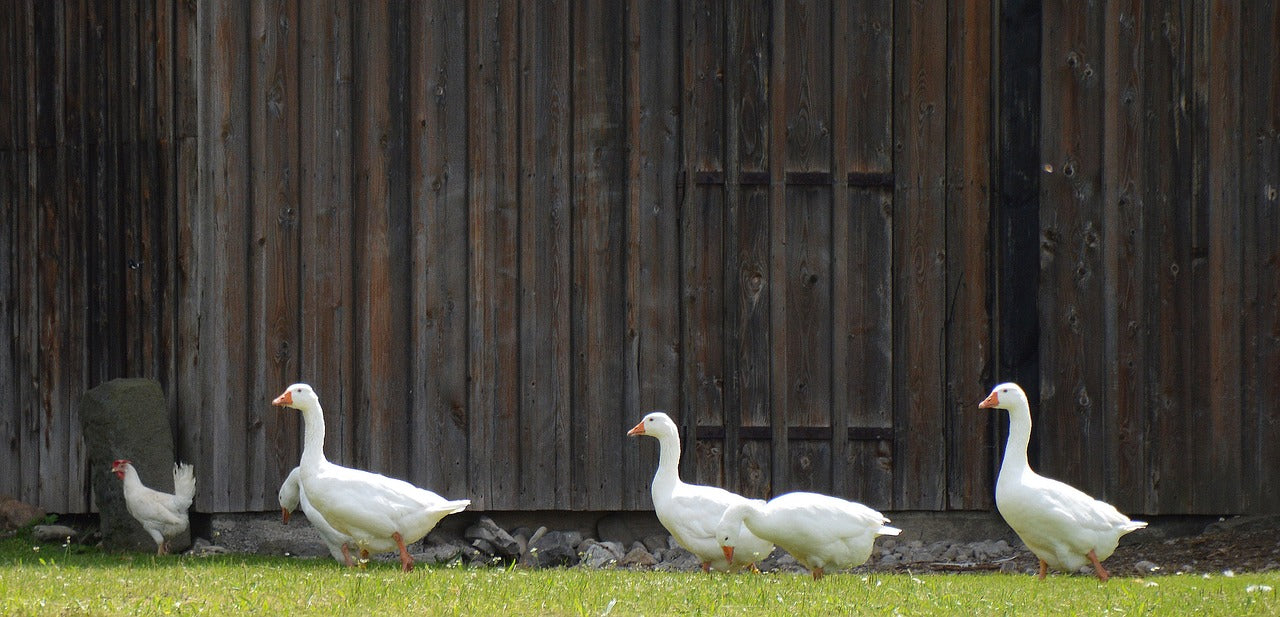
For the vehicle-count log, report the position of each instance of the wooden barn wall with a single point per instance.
(1158, 253)
(493, 235)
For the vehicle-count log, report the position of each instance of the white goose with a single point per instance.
(291, 498)
(690, 512)
(820, 531)
(1064, 527)
(375, 511)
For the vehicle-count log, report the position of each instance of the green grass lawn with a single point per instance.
(75, 580)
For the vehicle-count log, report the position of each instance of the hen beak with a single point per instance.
(991, 401)
(728, 553)
(284, 514)
(636, 430)
(283, 399)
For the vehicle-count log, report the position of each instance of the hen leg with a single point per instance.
(817, 573)
(1097, 567)
(406, 562)
(706, 566)
(1044, 568)
(346, 556)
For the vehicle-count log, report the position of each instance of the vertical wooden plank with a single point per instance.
(224, 211)
(1169, 273)
(862, 237)
(1124, 296)
(1072, 379)
(76, 167)
(747, 266)
(805, 282)
(12, 110)
(599, 263)
(776, 156)
(1218, 85)
(274, 248)
(381, 278)
(545, 224)
(970, 337)
(438, 212)
(494, 145)
(703, 241)
(189, 127)
(1260, 197)
(653, 249)
(1017, 226)
(164, 205)
(53, 358)
(327, 353)
(919, 255)
(26, 283)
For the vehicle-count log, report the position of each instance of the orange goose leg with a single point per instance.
(1097, 567)
(406, 562)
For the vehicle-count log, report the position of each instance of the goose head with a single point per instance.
(298, 396)
(730, 525)
(1005, 396)
(656, 424)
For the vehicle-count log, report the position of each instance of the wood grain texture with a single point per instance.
(1260, 194)
(920, 257)
(1124, 298)
(545, 224)
(862, 240)
(1072, 381)
(493, 235)
(274, 246)
(600, 217)
(970, 337)
(438, 215)
(703, 235)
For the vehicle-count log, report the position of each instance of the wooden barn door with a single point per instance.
(817, 275)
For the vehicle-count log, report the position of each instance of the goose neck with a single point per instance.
(313, 436)
(1015, 451)
(668, 460)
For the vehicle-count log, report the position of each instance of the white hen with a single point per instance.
(820, 531)
(690, 512)
(162, 515)
(1063, 526)
(378, 513)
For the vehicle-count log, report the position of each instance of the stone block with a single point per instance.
(128, 418)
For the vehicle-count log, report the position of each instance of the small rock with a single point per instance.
(1145, 567)
(502, 543)
(891, 559)
(655, 542)
(52, 533)
(679, 560)
(638, 557)
(598, 555)
(15, 514)
(484, 546)
(438, 554)
(537, 535)
(551, 549)
(202, 548)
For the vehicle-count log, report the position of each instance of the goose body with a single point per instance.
(820, 531)
(690, 512)
(291, 498)
(377, 513)
(1065, 528)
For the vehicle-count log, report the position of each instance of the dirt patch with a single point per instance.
(1244, 544)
